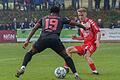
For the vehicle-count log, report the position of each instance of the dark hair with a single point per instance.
(55, 9)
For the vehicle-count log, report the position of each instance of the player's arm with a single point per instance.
(96, 30)
(31, 34)
(37, 25)
(98, 35)
(73, 23)
(77, 38)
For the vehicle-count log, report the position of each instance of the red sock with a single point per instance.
(65, 65)
(92, 67)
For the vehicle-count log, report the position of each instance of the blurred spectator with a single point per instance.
(1, 27)
(106, 4)
(45, 4)
(60, 3)
(119, 4)
(113, 4)
(11, 27)
(5, 4)
(7, 27)
(97, 5)
(100, 23)
(75, 4)
(32, 24)
(51, 3)
(16, 4)
(38, 3)
(35, 20)
(15, 25)
(21, 3)
(112, 25)
(32, 7)
(118, 24)
(24, 25)
(27, 4)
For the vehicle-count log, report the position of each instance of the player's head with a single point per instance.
(82, 12)
(55, 9)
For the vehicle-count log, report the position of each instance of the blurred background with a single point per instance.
(18, 17)
(21, 15)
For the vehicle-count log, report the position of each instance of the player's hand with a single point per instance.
(97, 43)
(74, 37)
(25, 44)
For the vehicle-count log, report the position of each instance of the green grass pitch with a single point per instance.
(42, 66)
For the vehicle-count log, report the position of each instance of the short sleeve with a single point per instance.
(95, 27)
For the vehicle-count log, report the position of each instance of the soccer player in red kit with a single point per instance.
(91, 37)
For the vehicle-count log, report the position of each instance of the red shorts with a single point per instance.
(89, 47)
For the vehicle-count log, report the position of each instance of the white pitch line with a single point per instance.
(108, 47)
(9, 59)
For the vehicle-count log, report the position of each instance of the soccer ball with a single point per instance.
(60, 72)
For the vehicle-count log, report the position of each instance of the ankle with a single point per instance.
(95, 71)
(23, 67)
(76, 74)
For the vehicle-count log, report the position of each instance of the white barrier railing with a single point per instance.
(106, 35)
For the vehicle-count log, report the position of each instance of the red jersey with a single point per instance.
(89, 35)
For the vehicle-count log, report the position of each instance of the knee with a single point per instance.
(32, 52)
(69, 50)
(86, 56)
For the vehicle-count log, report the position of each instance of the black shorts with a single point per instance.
(53, 43)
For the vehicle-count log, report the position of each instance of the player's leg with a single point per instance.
(28, 56)
(69, 51)
(89, 60)
(90, 63)
(69, 62)
(60, 49)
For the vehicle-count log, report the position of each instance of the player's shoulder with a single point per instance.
(91, 20)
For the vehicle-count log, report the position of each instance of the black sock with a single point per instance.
(70, 63)
(27, 58)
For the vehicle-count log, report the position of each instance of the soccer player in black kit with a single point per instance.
(49, 38)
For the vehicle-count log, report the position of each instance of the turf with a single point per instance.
(42, 66)
(66, 33)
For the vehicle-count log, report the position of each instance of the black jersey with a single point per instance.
(52, 25)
